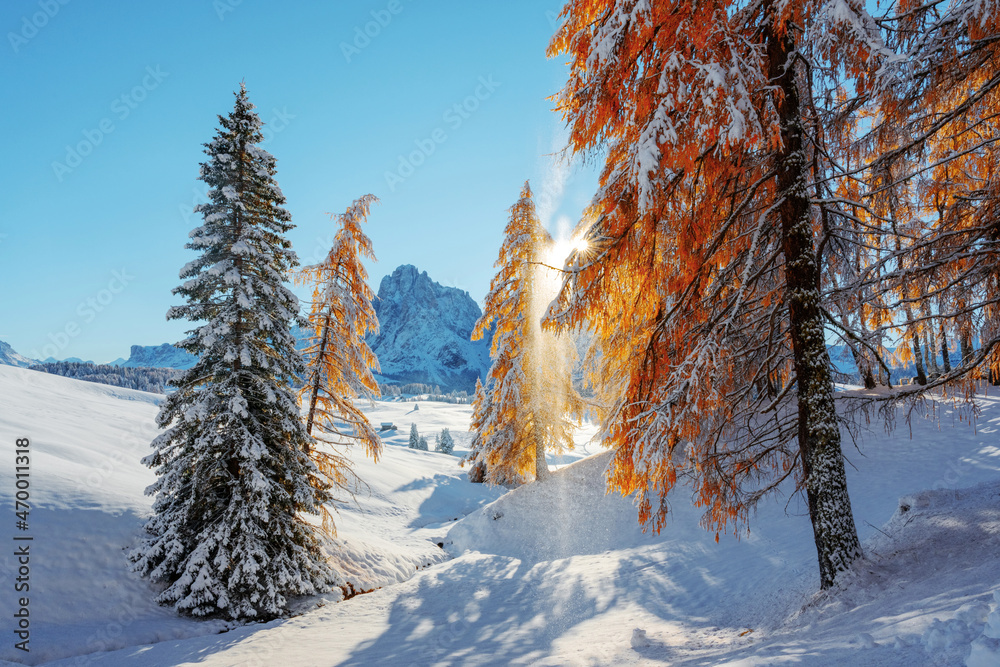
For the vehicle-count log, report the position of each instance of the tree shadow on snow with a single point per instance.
(877, 612)
(451, 498)
(487, 610)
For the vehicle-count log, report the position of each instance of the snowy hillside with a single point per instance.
(425, 330)
(553, 574)
(88, 504)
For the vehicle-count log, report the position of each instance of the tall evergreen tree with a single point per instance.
(226, 536)
(532, 399)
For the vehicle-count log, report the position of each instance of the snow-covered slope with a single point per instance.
(157, 356)
(920, 597)
(10, 357)
(86, 492)
(556, 573)
(425, 330)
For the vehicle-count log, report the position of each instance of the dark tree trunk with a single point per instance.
(930, 350)
(477, 473)
(965, 340)
(317, 381)
(865, 369)
(945, 360)
(918, 360)
(823, 471)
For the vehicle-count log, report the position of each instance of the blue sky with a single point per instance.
(108, 105)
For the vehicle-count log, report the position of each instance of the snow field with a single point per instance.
(88, 507)
(557, 573)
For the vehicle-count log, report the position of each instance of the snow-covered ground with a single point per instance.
(550, 574)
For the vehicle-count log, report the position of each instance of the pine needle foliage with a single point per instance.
(703, 270)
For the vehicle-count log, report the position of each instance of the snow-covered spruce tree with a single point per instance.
(533, 403)
(422, 444)
(481, 415)
(339, 362)
(445, 444)
(226, 537)
(414, 437)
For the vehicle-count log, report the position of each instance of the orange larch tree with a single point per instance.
(339, 362)
(528, 404)
(936, 133)
(701, 279)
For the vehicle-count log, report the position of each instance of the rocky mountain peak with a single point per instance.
(425, 332)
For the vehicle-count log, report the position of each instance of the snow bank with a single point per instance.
(929, 583)
(569, 514)
(985, 649)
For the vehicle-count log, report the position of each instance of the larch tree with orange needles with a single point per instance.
(339, 362)
(936, 136)
(701, 280)
(528, 405)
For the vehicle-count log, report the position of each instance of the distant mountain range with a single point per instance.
(424, 337)
(843, 361)
(424, 332)
(77, 360)
(8, 357)
(141, 356)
